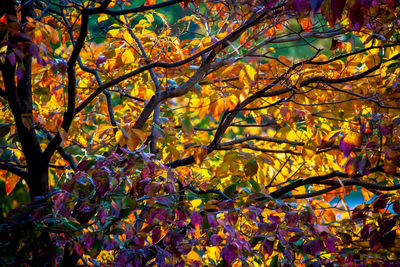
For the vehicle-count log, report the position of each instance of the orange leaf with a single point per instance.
(11, 182)
(200, 154)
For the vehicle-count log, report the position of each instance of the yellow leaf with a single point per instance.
(102, 17)
(372, 60)
(127, 57)
(200, 154)
(121, 137)
(248, 76)
(193, 256)
(366, 194)
(11, 182)
(309, 149)
(195, 203)
(213, 253)
(135, 136)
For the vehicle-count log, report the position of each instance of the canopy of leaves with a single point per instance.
(179, 132)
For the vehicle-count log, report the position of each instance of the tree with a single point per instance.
(229, 135)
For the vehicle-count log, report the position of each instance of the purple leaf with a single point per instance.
(267, 227)
(372, 145)
(212, 221)
(215, 240)
(169, 188)
(58, 200)
(396, 122)
(365, 3)
(269, 4)
(337, 8)
(114, 210)
(316, 4)
(88, 240)
(102, 215)
(100, 60)
(109, 243)
(229, 253)
(291, 219)
(345, 147)
(78, 249)
(20, 73)
(156, 234)
(313, 247)
(384, 129)
(307, 217)
(356, 16)
(274, 219)
(12, 58)
(301, 5)
(330, 242)
(196, 219)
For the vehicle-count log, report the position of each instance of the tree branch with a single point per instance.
(13, 169)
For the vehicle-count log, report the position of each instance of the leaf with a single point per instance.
(200, 154)
(121, 137)
(356, 15)
(291, 219)
(4, 129)
(229, 253)
(27, 120)
(301, 5)
(196, 219)
(316, 4)
(309, 149)
(130, 137)
(102, 18)
(351, 166)
(187, 127)
(313, 247)
(350, 141)
(251, 168)
(12, 58)
(11, 182)
(268, 246)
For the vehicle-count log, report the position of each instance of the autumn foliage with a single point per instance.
(191, 133)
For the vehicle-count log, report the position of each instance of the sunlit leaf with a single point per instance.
(11, 182)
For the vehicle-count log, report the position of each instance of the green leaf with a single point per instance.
(230, 190)
(4, 129)
(255, 185)
(274, 261)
